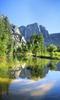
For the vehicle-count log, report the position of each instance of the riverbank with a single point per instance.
(47, 57)
(4, 84)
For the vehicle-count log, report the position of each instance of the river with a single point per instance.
(39, 79)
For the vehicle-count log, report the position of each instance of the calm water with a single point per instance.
(36, 79)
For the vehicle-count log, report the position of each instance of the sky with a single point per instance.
(24, 12)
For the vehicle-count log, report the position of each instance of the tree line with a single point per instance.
(36, 44)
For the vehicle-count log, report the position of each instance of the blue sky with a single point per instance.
(23, 12)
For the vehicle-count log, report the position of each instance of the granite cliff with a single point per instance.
(24, 33)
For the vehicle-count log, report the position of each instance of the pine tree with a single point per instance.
(5, 38)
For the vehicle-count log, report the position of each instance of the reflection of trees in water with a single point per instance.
(58, 66)
(35, 68)
(52, 64)
(38, 71)
(38, 68)
(21, 57)
(11, 73)
(0, 92)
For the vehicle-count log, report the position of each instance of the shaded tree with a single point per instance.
(51, 48)
(37, 44)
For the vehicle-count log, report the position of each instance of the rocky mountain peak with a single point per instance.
(25, 33)
(35, 28)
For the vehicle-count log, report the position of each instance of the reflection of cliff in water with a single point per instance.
(34, 68)
(38, 69)
(58, 66)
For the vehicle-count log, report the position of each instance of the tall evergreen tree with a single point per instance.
(37, 43)
(5, 37)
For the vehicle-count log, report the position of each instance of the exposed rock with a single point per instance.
(22, 30)
(29, 30)
(17, 36)
(24, 33)
(46, 35)
(16, 33)
(55, 37)
(44, 31)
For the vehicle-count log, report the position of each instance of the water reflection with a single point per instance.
(33, 68)
(30, 68)
(47, 88)
(45, 74)
(38, 68)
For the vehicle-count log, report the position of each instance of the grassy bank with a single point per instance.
(54, 55)
(4, 84)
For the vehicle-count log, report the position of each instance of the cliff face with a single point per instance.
(55, 37)
(46, 35)
(24, 33)
(29, 30)
(16, 35)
